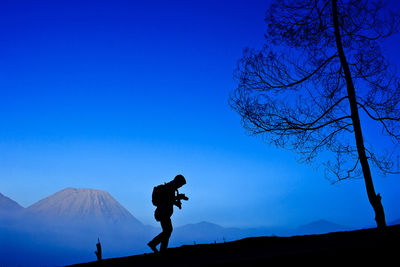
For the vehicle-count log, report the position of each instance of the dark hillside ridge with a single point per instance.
(344, 248)
(395, 222)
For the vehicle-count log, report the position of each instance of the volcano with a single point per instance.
(75, 206)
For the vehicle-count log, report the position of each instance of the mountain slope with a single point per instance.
(341, 248)
(73, 205)
(8, 205)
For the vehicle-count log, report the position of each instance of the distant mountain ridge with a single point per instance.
(79, 204)
(319, 227)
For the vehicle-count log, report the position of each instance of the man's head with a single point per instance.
(179, 180)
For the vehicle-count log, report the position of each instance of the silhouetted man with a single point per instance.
(164, 197)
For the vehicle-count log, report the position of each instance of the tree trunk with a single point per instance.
(374, 199)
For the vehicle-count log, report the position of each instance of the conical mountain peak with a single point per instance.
(81, 204)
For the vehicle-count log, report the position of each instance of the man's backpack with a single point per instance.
(158, 196)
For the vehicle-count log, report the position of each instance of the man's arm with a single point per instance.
(178, 198)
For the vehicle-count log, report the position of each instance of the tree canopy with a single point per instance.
(321, 68)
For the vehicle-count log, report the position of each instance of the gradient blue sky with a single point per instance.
(124, 95)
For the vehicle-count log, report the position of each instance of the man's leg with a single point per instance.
(156, 240)
(166, 225)
(163, 237)
(153, 246)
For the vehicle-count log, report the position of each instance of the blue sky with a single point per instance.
(124, 95)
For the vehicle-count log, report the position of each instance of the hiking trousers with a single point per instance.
(164, 236)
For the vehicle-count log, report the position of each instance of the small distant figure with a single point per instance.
(98, 251)
(164, 197)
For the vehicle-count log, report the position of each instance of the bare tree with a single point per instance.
(321, 69)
